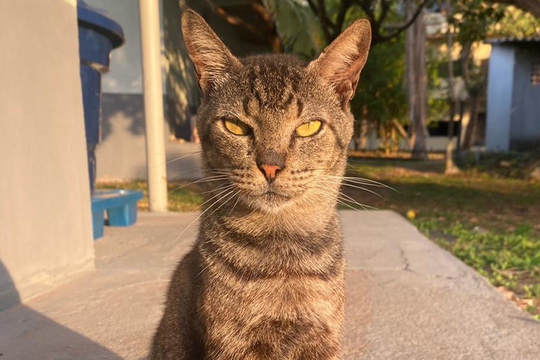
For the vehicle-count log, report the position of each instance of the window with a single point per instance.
(535, 73)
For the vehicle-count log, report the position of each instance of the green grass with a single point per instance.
(182, 195)
(491, 223)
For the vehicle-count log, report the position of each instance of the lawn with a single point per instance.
(490, 222)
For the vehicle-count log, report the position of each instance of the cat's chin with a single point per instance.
(273, 202)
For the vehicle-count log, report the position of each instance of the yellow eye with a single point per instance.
(309, 128)
(236, 127)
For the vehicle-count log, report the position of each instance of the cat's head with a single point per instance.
(273, 128)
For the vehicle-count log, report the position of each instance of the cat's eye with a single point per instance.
(309, 128)
(236, 127)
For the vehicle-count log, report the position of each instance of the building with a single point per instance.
(45, 217)
(513, 110)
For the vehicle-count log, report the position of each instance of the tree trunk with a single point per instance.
(415, 43)
(364, 131)
(474, 99)
(356, 134)
(450, 167)
(394, 139)
(403, 133)
(460, 121)
(384, 139)
(471, 126)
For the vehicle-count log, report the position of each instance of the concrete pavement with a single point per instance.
(406, 299)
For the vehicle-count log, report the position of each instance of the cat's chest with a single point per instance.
(284, 298)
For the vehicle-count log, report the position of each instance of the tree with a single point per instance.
(531, 6)
(383, 16)
(450, 167)
(417, 83)
(382, 101)
(297, 27)
(333, 14)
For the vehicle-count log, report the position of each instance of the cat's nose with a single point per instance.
(269, 171)
(270, 162)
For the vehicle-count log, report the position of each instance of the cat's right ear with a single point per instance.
(342, 61)
(212, 59)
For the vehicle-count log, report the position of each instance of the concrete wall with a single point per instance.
(45, 219)
(121, 153)
(525, 129)
(499, 104)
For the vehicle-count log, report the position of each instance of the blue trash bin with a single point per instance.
(98, 36)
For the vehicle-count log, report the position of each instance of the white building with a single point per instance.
(513, 111)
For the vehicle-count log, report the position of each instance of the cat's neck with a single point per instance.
(300, 219)
(262, 245)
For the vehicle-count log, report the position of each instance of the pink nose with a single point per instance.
(269, 171)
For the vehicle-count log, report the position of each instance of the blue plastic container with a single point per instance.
(98, 36)
(121, 207)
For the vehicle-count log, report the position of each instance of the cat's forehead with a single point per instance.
(273, 64)
(274, 82)
(270, 89)
(272, 74)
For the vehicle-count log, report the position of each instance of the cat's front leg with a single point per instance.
(322, 350)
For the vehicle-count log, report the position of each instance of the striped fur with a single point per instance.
(264, 279)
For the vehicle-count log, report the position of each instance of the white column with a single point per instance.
(153, 105)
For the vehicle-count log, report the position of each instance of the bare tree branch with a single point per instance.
(233, 20)
(385, 4)
(365, 5)
(368, 7)
(345, 5)
(404, 26)
(324, 21)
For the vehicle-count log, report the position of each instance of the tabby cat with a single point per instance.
(265, 277)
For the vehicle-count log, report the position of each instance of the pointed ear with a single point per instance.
(341, 62)
(212, 59)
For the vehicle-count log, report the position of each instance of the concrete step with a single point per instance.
(406, 299)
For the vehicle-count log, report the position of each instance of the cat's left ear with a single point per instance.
(342, 61)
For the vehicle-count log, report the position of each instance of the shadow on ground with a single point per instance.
(27, 334)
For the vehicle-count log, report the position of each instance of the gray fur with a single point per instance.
(264, 279)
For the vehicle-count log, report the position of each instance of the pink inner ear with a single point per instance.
(342, 61)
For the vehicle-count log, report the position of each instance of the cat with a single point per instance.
(265, 277)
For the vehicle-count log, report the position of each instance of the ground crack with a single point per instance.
(405, 260)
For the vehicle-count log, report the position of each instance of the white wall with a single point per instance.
(499, 102)
(45, 218)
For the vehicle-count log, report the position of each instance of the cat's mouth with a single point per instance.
(272, 194)
(273, 200)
